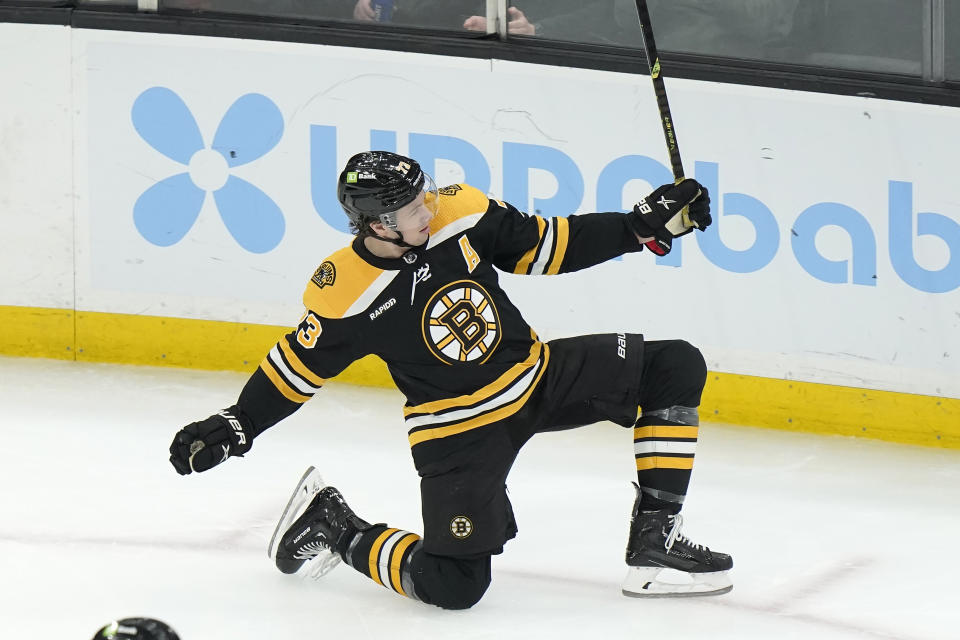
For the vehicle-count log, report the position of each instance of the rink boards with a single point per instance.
(166, 198)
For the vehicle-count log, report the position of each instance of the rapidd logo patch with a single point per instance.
(325, 275)
(461, 527)
(461, 323)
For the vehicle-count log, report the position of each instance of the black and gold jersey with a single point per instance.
(454, 343)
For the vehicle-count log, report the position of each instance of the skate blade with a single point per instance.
(318, 566)
(310, 485)
(647, 582)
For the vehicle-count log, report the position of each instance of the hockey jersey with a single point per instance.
(454, 343)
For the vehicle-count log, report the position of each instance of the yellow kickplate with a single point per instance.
(729, 398)
(829, 409)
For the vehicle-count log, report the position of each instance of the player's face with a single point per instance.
(413, 220)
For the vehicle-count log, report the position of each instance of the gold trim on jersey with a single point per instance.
(563, 237)
(508, 378)
(459, 209)
(546, 256)
(297, 364)
(524, 263)
(353, 283)
(285, 370)
(510, 396)
(280, 383)
(453, 229)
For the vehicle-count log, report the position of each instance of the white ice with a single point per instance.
(832, 537)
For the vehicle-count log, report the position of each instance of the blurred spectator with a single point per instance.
(516, 23)
(438, 14)
(315, 9)
(591, 21)
(445, 14)
(953, 42)
(734, 28)
(575, 20)
(752, 29)
(888, 37)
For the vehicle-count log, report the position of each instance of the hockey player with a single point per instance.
(418, 287)
(136, 629)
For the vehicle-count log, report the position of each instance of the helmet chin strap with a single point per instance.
(400, 242)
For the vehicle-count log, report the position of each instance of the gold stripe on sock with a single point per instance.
(664, 462)
(396, 559)
(665, 431)
(375, 553)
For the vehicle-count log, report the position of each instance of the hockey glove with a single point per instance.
(671, 211)
(203, 445)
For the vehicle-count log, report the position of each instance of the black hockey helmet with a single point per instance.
(375, 184)
(136, 629)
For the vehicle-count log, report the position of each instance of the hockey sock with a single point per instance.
(664, 443)
(383, 555)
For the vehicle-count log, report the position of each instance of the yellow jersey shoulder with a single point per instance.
(338, 283)
(456, 202)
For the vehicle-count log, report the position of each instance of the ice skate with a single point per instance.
(662, 562)
(314, 529)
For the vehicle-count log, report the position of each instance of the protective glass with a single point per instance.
(415, 215)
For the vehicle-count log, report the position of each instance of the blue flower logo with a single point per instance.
(251, 127)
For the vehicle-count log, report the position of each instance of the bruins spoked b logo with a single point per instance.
(461, 324)
(461, 527)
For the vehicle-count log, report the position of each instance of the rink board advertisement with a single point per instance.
(203, 189)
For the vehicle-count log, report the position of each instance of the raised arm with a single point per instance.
(533, 245)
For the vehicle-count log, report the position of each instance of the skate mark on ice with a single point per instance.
(207, 540)
(815, 585)
(818, 583)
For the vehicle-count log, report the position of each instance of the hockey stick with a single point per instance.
(653, 61)
(660, 247)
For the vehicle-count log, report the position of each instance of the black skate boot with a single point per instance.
(311, 541)
(657, 547)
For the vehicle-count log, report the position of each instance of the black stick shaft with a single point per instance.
(653, 60)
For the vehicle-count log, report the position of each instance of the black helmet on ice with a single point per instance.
(137, 629)
(375, 184)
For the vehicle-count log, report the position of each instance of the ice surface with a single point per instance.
(832, 537)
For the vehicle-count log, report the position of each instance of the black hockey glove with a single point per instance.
(671, 211)
(203, 445)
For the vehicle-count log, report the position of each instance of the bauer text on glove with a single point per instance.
(672, 210)
(203, 445)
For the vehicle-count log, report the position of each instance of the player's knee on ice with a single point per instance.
(674, 374)
(450, 583)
